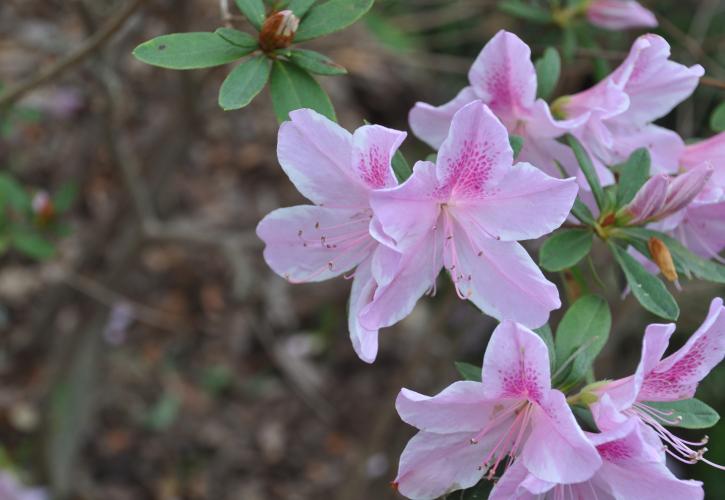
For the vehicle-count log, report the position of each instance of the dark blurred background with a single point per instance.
(155, 356)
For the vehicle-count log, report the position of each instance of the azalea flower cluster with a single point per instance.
(466, 213)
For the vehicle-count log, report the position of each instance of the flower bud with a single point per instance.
(278, 31)
(662, 257)
(43, 208)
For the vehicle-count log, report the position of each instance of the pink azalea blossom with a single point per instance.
(621, 108)
(504, 78)
(466, 212)
(471, 428)
(673, 378)
(337, 171)
(619, 15)
(12, 489)
(631, 468)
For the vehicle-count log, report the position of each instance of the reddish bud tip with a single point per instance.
(43, 208)
(278, 31)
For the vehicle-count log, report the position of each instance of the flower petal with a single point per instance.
(364, 340)
(308, 243)
(711, 150)
(649, 200)
(526, 204)
(703, 229)
(517, 483)
(431, 124)
(685, 187)
(373, 148)
(620, 15)
(665, 146)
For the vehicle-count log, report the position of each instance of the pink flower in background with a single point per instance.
(514, 416)
(466, 212)
(631, 469)
(337, 171)
(621, 108)
(504, 78)
(619, 15)
(12, 489)
(673, 378)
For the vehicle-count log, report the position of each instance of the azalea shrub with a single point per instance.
(512, 171)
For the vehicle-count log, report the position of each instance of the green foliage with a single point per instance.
(164, 413)
(548, 70)
(688, 413)
(479, 492)
(331, 16)
(238, 38)
(244, 83)
(300, 7)
(587, 167)
(647, 289)
(580, 337)
(253, 10)
(293, 88)
(717, 119)
(545, 333)
(401, 167)
(316, 63)
(633, 173)
(565, 249)
(468, 371)
(189, 51)
(31, 244)
(526, 11)
(13, 194)
(582, 212)
(517, 142)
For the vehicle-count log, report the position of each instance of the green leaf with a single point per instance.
(548, 69)
(587, 167)
(569, 43)
(65, 196)
(401, 167)
(468, 371)
(525, 11)
(545, 333)
(314, 62)
(293, 88)
(585, 418)
(582, 333)
(164, 412)
(13, 194)
(31, 244)
(689, 413)
(517, 142)
(479, 492)
(331, 16)
(717, 119)
(582, 212)
(648, 289)
(633, 173)
(300, 7)
(565, 249)
(238, 38)
(390, 34)
(253, 10)
(244, 83)
(189, 51)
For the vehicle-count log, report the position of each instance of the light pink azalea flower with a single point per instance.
(619, 15)
(12, 489)
(466, 212)
(621, 108)
(337, 171)
(631, 468)
(504, 78)
(673, 378)
(471, 428)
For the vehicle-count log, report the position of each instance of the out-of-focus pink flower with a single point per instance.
(467, 212)
(12, 489)
(619, 15)
(673, 378)
(504, 78)
(471, 428)
(337, 171)
(631, 468)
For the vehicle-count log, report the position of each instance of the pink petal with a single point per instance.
(540, 123)
(703, 229)
(526, 204)
(385, 264)
(434, 464)
(557, 449)
(316, 154)
(373, 148)
(516, 364)
(308, 243)
(620, 15)
(460, 407)
(649, 200)
(431, 124)
(499, 277)
(364, 340)
(517, 483)
(685, 187)
(645, 481)
(665, 147)
(712, 151)
(475, 156)
(504, 76)
(676, 377)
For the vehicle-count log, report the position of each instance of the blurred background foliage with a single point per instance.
(146, 352)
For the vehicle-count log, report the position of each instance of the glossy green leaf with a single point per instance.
(31, 244)
(717, 119)
(565, 249)
(688, 413)
(189, 51)
(545, 333)
(581, 334)
(647, 288)
(331, 16)
(517, 142)
(401, 167)
(582, 212)
(525, 11)
(632, 175)
(293, 88)
(314, 62)
(253, 10)
(468, 371)
(238, 38)
(300, 7)
(244, 83)
(548, 70)
(587, 167)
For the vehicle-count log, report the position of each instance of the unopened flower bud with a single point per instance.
(662, 257)
(278, 31)
(43, 208)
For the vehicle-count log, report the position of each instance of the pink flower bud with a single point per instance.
(619, 15)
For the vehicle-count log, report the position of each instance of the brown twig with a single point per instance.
(712, 82)
(91, 45)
